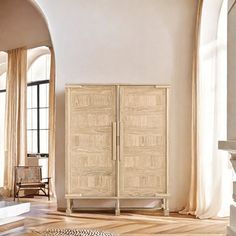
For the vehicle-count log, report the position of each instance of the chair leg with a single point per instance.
(48, 192)
(18, 197)
(14, 193)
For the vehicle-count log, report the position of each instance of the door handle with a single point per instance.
(121, 141)
(114, 141)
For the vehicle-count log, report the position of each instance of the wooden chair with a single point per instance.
(30, 178)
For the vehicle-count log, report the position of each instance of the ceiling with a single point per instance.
(22, 25)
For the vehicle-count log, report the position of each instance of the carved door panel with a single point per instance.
(142, 141)
(91, 118)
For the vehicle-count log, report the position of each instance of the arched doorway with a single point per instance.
(23, 25)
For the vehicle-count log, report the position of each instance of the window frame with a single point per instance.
(37, 84)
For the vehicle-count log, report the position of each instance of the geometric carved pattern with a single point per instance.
(143, 160)
(91, 170)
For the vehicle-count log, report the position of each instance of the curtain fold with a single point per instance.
(16, 115)
(192, 199)
(52, 124)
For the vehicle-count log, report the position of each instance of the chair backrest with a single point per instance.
(28, 174)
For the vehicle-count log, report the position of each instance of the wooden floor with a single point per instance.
(44, 216)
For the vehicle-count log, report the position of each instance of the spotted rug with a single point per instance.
(76, 232)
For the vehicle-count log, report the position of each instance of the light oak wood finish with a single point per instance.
(116, 143)
(44, 216)
(142, 141)
(90, 158)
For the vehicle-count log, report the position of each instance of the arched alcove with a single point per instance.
(22, 24)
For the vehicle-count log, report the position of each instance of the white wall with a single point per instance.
(127, 41)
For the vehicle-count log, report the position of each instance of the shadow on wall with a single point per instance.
(60, 148)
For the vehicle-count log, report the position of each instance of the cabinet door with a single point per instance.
(143, 131)
(91, 115)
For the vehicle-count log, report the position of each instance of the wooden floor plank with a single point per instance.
(44, 216)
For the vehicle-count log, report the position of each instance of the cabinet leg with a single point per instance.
(69, 206)
(117, 211)
(166, 207)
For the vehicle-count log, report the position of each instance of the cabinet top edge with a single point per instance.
(84, 84)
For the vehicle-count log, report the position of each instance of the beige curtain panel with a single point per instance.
(15, 133)
(192, 199)
(52, 124)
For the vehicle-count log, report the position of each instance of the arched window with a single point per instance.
(38, 102)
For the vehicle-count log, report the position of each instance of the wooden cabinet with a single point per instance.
(143, 141)
(116, 143)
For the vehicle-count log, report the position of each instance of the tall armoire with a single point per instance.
(117, 143)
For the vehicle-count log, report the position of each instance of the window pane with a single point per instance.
(39, 69)
(29, 95)
(43, 118)
(44, 141)
(2, 127)
(32, 97)
(32, 119)
(48, 64)
(29, 141)
(32, 141)
(3, 69)
(29, 75)
(44, 95)
(3, 81)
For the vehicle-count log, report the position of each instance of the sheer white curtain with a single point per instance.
(214, 175)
